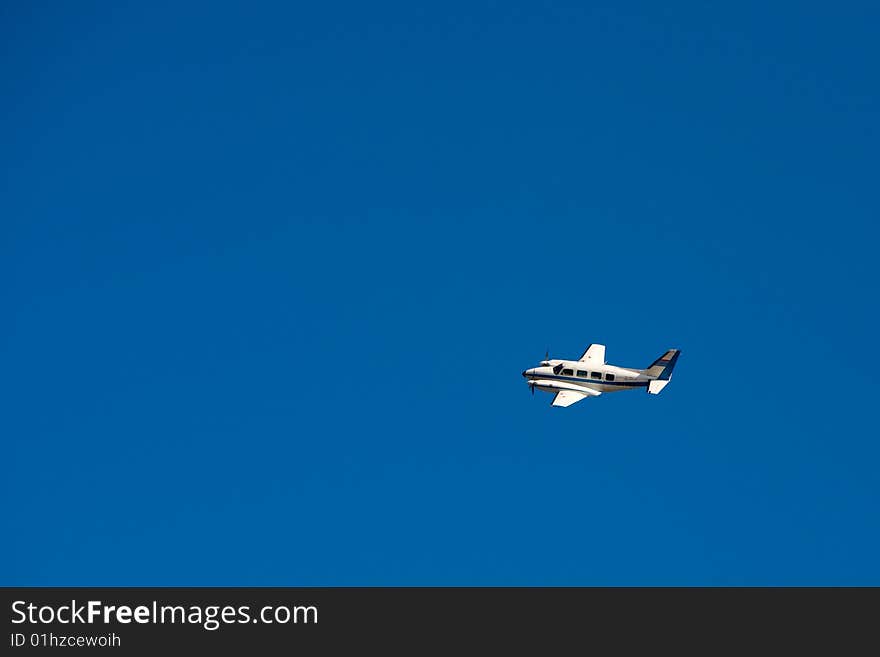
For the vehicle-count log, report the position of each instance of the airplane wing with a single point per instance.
(566, 398)
(595, 355)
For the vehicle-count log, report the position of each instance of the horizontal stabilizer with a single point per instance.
(654, 387)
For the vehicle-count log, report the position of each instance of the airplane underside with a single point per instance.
(598, 389)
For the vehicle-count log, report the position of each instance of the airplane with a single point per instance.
(590, 376)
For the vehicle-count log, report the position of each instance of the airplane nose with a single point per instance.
(525, 372)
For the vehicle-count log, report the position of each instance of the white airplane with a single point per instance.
(590, 376)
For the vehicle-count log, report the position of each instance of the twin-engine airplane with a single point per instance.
(590, 376)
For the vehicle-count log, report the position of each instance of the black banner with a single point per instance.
(127, 620)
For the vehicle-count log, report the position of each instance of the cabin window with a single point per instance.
(597, 375)
(583, 373)
(567, 372)
(609, 377)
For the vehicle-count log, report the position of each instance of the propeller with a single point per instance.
(532, 383)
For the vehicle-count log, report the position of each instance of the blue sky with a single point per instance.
(272, 272)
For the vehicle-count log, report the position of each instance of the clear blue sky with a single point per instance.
(271, 273)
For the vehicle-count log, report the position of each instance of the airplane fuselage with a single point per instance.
(571, 375)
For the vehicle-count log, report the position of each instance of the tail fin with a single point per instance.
(661, 368)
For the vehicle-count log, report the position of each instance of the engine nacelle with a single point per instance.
(557, 386)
